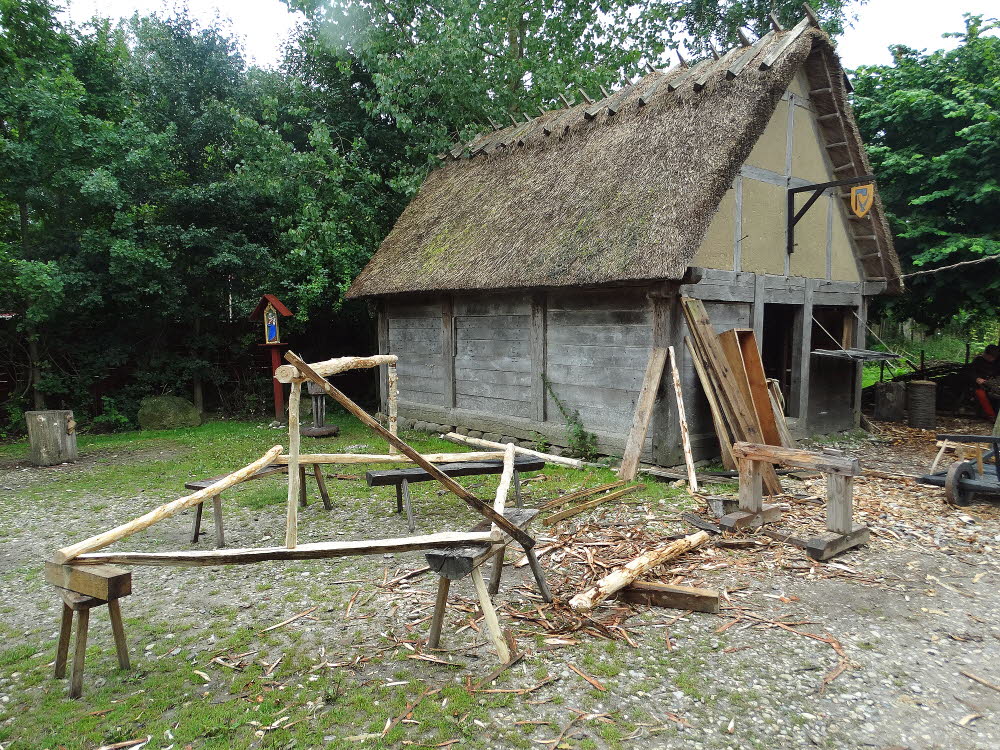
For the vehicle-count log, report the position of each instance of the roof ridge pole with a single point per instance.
(811, 14)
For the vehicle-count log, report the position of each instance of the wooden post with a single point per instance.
(448, 350)
(804, 346)
(503, 489)
(840, 503)
(294, 477)
(643, 413)
(79, 653)
(751, 491)
(382, 324)
(490, 616)
(62, 649)
(392, 402)
(538, 355)
(52, 436)
(437, 620)
(682, 419)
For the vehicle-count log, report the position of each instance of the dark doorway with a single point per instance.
(777, 348)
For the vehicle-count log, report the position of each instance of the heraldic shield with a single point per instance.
(862, 197)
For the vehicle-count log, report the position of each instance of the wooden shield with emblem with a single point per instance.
(862, 198)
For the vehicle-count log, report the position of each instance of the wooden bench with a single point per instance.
(82, 588)
(842, 533)
(401, 478)
(220, 535)
(456, 563)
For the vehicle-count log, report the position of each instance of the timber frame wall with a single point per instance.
(480, 360)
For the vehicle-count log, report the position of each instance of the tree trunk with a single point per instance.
(996, 426)
(38, 397)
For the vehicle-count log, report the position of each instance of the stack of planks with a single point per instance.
(732, 375)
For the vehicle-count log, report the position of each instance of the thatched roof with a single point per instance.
(620, 190)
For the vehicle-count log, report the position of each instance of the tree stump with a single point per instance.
(52, 435)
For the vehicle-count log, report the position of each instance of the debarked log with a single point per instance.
(622, 576)
(164, 511)
(312, 551)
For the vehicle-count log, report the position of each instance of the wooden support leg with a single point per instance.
(399, 498)
(406, 505)
(303, 498)
(80, 653)
(536, 571)
(517, 490)
(62, 650)
(752, 512)
(437, 621)
(220, 532)
(497, 572)
(839, 503)
(490, 616)
(118, 629)
(196, 530)
(321, 483)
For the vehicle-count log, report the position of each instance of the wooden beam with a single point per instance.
(166, 510)
(539, 320)
(774, 454)
(654, 594)
(103, 582)
(312, 551)
(448, 350)
(390, 458)
(748, 54)
(721, 429)
(450, 484)
(643, 413)
(454, 437)
(287, 373)
(774, 55)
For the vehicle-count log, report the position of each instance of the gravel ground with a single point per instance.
(870, 652)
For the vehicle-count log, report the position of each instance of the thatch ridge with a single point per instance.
(616, 198)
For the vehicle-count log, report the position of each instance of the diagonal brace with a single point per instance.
(524, 539)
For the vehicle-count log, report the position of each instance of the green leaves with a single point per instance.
(932, 123)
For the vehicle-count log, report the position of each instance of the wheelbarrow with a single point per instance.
(966, 479)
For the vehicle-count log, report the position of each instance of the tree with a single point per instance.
(443, 69)
(931, 123)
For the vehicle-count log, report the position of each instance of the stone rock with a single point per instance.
(462, 430)
(491, 436)
(167, 413)
(474, 434)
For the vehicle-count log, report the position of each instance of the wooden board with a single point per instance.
(753, 368)
(738, 412)
(721, 429)
(775, 454)
(389, 477)
(675, 597)
(643, 413)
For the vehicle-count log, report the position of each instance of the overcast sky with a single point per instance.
(265, 24)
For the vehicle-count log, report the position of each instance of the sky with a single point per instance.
(265, 24)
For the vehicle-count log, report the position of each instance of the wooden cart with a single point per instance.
(966, 479)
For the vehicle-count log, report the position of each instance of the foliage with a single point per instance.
(581, 442)
(932, 126)
(152, 186)
(443, 69)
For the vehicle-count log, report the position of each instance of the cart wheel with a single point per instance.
(952, 486)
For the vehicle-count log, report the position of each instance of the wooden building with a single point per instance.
(554, 251)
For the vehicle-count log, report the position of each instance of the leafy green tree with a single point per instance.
(444, 68)
(932, 126)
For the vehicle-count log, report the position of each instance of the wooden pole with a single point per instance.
(166, 510)
(643, 413)
(385, 458)
(682, 418)
(294, 476)
(393, 401)
(309, 551)
(524, 539)
(621, 577)
(454, 437)
(503, 489)
(288, 373)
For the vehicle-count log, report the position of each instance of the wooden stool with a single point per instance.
(110, 584)
(454, 564)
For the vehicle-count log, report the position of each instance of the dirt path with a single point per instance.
(868, 650)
